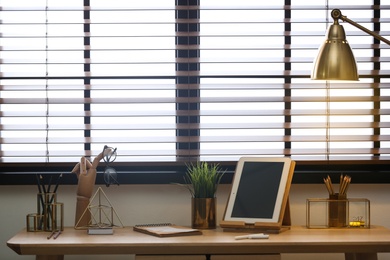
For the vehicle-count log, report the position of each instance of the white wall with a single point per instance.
(137, 204)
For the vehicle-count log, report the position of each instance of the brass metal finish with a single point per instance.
(337, 210)
(50, 215)
(203, 213)
(335, 60)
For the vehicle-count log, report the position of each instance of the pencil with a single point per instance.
(346, 188)
(39, 184)
(328, 185)
(49, 185)
(344, 185)
(56, 187)
(58, 183)
(42, 183)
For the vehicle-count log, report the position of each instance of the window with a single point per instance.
(168, 82)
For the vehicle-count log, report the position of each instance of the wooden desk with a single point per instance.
(355, 243)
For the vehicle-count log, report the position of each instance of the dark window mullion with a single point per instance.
(192, 146)
(87, 72)
(377, 67)
(287, 67)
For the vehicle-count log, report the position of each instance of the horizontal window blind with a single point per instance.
(186, 80)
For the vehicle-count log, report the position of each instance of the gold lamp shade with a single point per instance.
(335, 60)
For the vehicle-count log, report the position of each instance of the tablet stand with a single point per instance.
(284, 220)
(260, 227)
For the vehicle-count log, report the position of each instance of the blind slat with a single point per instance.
(173, 126)
(301, 112)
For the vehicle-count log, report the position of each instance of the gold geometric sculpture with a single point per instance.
(101, 213)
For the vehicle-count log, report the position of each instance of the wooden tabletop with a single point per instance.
(127, 241)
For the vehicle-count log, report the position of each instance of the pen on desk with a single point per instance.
(52, 233)
(57, 234)
(252, 236)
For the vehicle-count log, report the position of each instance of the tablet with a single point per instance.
(259, 190)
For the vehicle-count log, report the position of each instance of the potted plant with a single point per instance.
(202, 180)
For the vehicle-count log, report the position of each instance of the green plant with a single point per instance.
(202, 179)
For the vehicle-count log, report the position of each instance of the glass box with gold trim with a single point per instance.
(337, 212)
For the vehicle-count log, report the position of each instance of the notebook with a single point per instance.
(166, 230)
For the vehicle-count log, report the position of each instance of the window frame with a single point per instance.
(310, 171)
(306, 172)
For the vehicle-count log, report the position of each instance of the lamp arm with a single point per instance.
(336, 14)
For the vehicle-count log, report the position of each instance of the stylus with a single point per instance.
(253, 236)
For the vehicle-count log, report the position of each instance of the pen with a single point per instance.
(57, 234)
(253, 236)
(52, 233)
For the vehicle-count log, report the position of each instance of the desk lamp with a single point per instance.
(335, 60)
